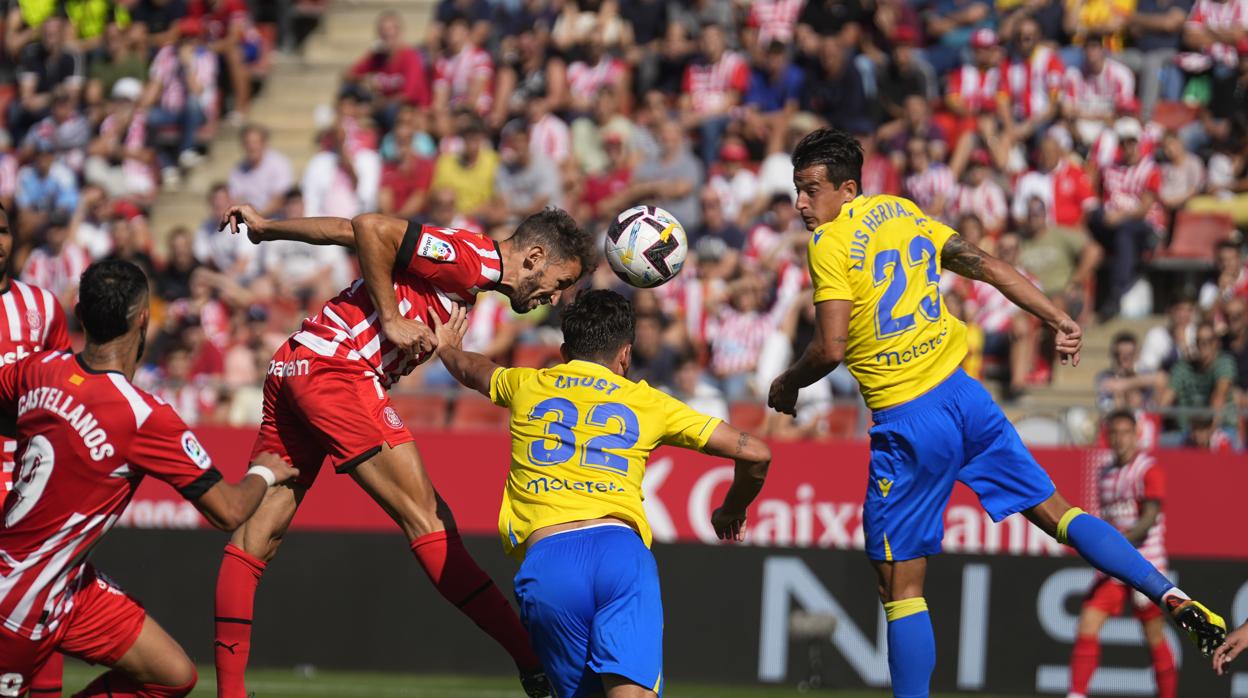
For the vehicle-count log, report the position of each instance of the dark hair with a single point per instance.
(597, 324)
(556, 231)
(1124, 336)
(1228, 244)
(836, 150)
(1120, 414)
(107, 295)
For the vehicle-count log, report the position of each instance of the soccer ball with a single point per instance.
(646, 246)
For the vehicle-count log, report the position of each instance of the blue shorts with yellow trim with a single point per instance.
(953, 432)
(590, 601)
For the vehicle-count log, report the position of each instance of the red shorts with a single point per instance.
(1110, 595)
(102, 626)
(317, 406)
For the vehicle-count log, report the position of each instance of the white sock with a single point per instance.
(1176, 593)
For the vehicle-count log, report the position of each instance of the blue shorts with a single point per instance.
(590, 601)
(919, 448)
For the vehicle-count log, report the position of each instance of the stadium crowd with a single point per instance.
(1099, 145)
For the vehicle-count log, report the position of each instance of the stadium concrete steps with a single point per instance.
(297, 85)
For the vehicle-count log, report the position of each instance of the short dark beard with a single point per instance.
(521, 295)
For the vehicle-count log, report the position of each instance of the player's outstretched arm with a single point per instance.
(964, 258)
(227, 506)
(471, 369)
(752, 458)
(244, 219)
(824, 353)
(377, 242)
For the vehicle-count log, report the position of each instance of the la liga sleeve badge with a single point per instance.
(435, 248)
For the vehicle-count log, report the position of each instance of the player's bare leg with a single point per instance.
(251, 547)
(911, 644)
(155, 666)
(396, 479)
(1086, 654)
(617, 686)
(1106, 549)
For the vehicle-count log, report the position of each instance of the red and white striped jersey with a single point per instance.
(987, 307)
(976, 89)
(985, 201)
(1103, 94)
(1222, 16)
(709, 84)
(1125, 185)
(550, 139)
(457, 74)
(1066, 192)
(31, 321)
(774, 19)
(58, 272)
(1034, 83)
(586, 80)
(1123, 489)
(1106, 150)
(435, 269)
(925, 187)
(737, 340)
(85, 440)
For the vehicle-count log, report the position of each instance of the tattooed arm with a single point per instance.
(825, 352)
(965, 259)
(752, 458)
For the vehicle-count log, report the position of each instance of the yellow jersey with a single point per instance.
(580, 438)
(882, 253)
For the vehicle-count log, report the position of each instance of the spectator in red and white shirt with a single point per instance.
(118, 159)
(1033, 78)
(735, 184)
(772, 20)
(595, 71)
(982, 196)
(1216, 29)
(463, 76)
(713, 86)
(57, 264)
(393, 72)
(181, 91)
(930, 184)
(1231, 281)
(1131, 216)
(1060, 183)
(1009, 335)
(233, 36)
(977, 88)
(1098, 92)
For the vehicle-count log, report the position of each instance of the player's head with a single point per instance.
(112, 305)
(1120, 431)
(827, 171)
(549, 252)
(599, 326)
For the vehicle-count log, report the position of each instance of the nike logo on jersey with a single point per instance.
(885, 485)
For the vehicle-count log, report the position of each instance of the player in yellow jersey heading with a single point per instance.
(876, 264)
(572, 508)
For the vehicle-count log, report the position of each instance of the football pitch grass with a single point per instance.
(286, 683)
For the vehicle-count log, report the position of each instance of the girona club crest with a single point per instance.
(33, 320)
(392, 417)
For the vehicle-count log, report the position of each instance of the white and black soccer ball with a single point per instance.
(646, 246)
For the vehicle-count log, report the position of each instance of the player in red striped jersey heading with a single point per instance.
(1132, 487)
(325, 396)
(87, 437)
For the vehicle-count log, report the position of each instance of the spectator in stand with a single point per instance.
(741, 327)
(588, 133)
(1063, 260)
(463, 76)
(607, 192)
(820, 18)
(182, 80)
(1097, 91)
(1102, 21)
(1059, 183)
(393, 72)
(442, 212)
(1033, 80)
(654, 361)
(1155, 32)
(471, 172)
(671, 180)
(1204, 382)
(174, 280)
(405, 182)
(523, 184)
(691, 386)
(529, 74)
(218, 248)
(713, 86)
(1165, 346)
(1125, 382)
(716, 224)
(119, 159)
(1131, 217)
(769, 245)
(231, 34)
(411, 126)
(776, 85)
(1215, 30)
(977, 88)
(981, 195)
(1235, 343)
(1225, 117)
(65, 129)
(930, 184)
(1182, 173)
(594, 72)
(770, 20)
(917, 123)
(582, 19)
(127, 246)
(1230, 281)
(306, 274)
(903, 75)
(879, 174)
(549, 136)
(57, 264)
(1202, 434)
(125, 55)
(8, 171)
(45, 188)
(735, 185)
(834, 89)
(475, 15)
(344, 177)
(263, 176)
(952, 23)
(1009, 335)
(43, 65)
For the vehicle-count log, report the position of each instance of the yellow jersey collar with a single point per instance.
(592, 367)
(846, 213)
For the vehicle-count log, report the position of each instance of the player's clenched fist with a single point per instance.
(1069, 340)
(412, 336)
(782, 397)
(282, 471)
(1230, 649)
(728, 525)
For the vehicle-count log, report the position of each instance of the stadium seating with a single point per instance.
(1193, 241)
(421, 410)
(474, 413)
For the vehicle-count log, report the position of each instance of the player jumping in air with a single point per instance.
(31, 320)
(1132, 487)
(572, 513)
(325, 395)
(876, 263)
(86, 438)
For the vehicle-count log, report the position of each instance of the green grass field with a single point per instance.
(285, 683)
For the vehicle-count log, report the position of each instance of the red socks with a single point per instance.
(1163, 667)
(47, 682)
(1083, 661)
(461, 582)
(115, 684)
(236, 593)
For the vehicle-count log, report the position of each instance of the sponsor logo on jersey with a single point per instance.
(288, 368)
(19, 354)
(542, 485)
(392, 417)
(435, 248)
(899, 358)
(195, 451)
